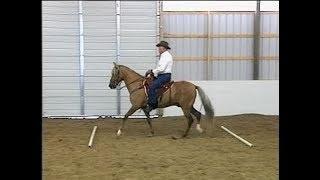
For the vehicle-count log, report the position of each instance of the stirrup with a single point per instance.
(148, 108)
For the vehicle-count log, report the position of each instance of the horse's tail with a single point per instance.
(206, 102)
(209, 111)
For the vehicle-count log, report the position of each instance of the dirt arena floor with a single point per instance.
(134, 156)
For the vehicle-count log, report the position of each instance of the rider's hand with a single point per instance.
(148, 72)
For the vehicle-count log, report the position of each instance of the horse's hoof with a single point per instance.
(118, 133)
(150, 135)
(175, 137)
(199, 129)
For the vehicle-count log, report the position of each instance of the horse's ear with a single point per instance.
(115, 64)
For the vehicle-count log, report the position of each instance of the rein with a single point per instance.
(132, 83)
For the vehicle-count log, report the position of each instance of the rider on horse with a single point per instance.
(162, 72)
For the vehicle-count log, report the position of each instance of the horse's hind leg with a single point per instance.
(197, 114)
(190, 121)
(149, 122)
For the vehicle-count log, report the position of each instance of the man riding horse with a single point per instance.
(162, 72)
(180, 93)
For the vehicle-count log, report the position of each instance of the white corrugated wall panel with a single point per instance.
(221, 48)
(61, 67)
(228, 24)
(138, 39)
(187, 47)
(60, 59)
(269, 69)
(99, 23)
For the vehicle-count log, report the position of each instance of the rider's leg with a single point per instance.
(160, 81)
(152, 101)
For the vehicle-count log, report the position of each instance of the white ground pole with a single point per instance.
(92, 136)
(236, 136)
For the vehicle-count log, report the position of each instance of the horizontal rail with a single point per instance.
(215, 12)
(177, 35)
(216, 58)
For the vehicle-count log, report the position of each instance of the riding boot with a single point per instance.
(149, 108)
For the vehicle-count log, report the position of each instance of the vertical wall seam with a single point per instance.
(118, 52)
(81, 60)
(256, 46)
(159, 37)
(208, 45)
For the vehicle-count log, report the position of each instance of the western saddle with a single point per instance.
(148, 82)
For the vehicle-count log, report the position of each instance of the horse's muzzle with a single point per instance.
(111, 86)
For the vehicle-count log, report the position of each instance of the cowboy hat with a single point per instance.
(163, 44)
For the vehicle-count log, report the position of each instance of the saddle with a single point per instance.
(148, 82)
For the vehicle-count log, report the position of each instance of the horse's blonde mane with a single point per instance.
(130, 70)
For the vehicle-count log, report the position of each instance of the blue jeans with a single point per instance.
(157, 83)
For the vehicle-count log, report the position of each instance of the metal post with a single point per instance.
(256, 42)
(208, 46)
(160, 20)
(118, 53)
(81, 59)
(159, 37)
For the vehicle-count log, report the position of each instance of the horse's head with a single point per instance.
(116, 76)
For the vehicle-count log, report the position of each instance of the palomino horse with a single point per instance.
(181, 94)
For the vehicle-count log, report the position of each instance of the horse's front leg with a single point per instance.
(129, 113)
(149, 122)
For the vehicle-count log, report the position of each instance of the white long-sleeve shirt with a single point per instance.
(164, 65)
